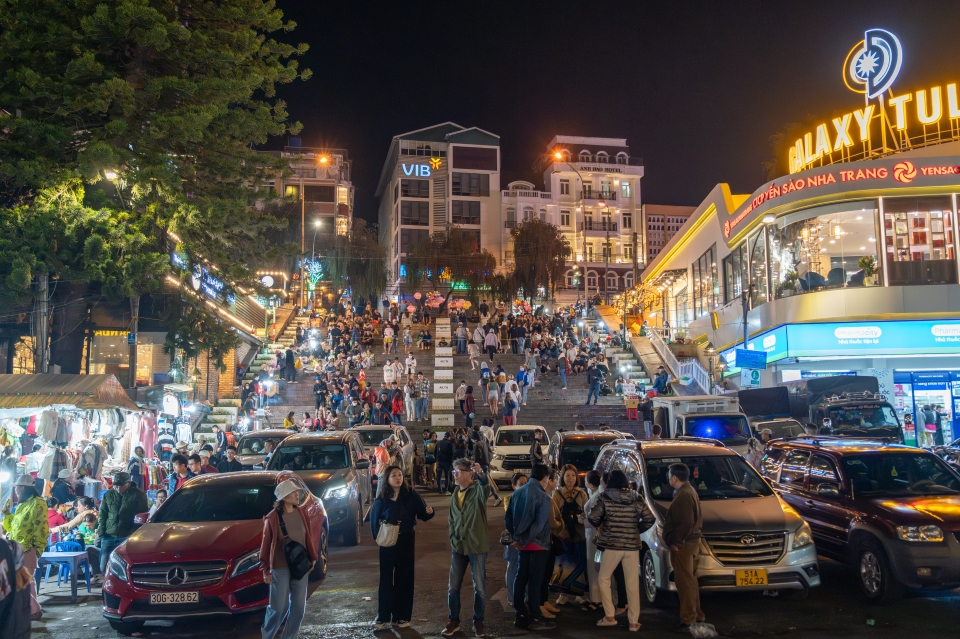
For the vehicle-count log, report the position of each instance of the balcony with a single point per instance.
(542, 195)
(602, 226)
(608, 196)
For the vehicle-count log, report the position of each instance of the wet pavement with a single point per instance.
(345, 604)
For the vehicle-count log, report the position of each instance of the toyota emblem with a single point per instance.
(748, 540)
(176, 576)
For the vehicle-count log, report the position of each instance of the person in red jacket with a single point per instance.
(288, 597)
(396, 409)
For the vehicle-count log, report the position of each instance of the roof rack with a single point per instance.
(702, 440)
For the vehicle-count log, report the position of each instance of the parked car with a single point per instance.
(580, 448)
(511, 451)
(371, 436)
(250, 448)
(335, 468)
(751, 539)
(892, 511)
(199, 553)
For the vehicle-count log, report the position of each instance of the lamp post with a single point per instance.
(601, 203)
(711, 354)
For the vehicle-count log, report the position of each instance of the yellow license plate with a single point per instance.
(751, 577)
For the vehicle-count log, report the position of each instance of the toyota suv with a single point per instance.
(579, 448)
(511, 452)
(751, 539)
(892, 511)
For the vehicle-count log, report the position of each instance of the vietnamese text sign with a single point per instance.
(444, 362)
(443, 388)
(751, 359)
(749, 378)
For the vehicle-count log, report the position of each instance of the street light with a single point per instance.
(559, 156)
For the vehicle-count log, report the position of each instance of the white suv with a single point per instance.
(511, 451)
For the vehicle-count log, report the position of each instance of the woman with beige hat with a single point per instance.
(286, 522)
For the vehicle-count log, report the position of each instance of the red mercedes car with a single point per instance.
(199, 553)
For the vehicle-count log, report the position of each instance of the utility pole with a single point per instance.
(606, 265)
(134, 328)
(303, 242)
(636, 275)
(41, 317)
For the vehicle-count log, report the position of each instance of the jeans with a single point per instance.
(396, 580)
(512, 556)
(461, 345)
(523, 393)
(107, 544)
(593, 392)
(288, 598)
(521, 342)
(422, 408)
(563, 375)
(533, 563)
(396, 419)
(478, 571)
(629, 559)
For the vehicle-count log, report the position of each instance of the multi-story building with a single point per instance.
(442, 175)
(660, 222)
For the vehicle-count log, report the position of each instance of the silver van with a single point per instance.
(751, 539)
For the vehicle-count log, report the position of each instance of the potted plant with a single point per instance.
(789, 285)
(869, 267)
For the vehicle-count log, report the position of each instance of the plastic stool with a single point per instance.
(633, 413)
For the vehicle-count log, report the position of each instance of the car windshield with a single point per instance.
(374, 437)
(900, 474)
(722, 427)
(865, 419)
(516, 437)
(583, 456)
(253, 445)
(216, 501)
(311, 457)
(714, 477)
(781, 428)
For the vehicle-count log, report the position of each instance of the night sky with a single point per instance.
(696, 88)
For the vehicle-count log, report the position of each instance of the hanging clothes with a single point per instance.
(91, 460)
(148, 432)
(47, 426)
(60, 461)
(165, 442)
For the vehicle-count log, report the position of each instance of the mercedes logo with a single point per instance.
(176, 576)
(746, 540)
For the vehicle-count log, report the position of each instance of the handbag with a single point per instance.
(387, 536)
(506, 539)
(298, 560)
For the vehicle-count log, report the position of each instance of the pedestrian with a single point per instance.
(467, 522)
(286, 522)
(221, 441)
(469, 407)
(594, 379)
(570, 499)
(528, 521)
(135, 467)
(115, 522)
(289, 422)
(290, 370)
(473, 350)
(206, 468)
(592, 598)
(409, 403)
(230, 463)
(493, 399)
(563, 367)
(622, 516)
(491, 343)
(536, 450)
(181, 471)
(444, 452)
(15, 596)
(398, 504)
(29, 528)
(681, 532)
(460, 393)
(510, 553)
(423, 397)
(482, 454)
(63, 488)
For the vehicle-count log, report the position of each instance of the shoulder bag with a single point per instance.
(298, 559)
(388, 533)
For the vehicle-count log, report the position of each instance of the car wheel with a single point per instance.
(126, 628)
(876, 577)
(648, 576)
(351, 537)
(323, 553)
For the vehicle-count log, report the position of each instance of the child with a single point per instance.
(88, 528)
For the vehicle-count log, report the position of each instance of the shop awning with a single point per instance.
(82, 391)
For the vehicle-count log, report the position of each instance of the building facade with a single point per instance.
(434, 177)
(660, 222)
(322, 185)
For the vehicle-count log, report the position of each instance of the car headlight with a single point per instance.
(337, 492)
(246, 562)
(118, 567)
(803, 537)
(920, 533)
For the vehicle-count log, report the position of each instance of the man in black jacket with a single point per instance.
(444, 452)
(536, 451)
(594, 378)
(290, 370)
(230, 464)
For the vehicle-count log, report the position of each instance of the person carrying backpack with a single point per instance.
(570, 499)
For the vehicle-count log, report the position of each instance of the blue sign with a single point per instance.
(913, 337)
(419, 170)
(747, 358)
(131, 338)
(772, 342)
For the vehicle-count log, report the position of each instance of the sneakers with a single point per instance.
(606, 622)
(478, 629)
(537, 626)
(451, 627)
(521, 622)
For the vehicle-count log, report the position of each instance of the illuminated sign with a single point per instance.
(421, 170)
(873, 63)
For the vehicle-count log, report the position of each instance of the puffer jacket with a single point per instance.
(622, 516)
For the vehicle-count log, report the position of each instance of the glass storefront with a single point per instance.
(757, 253)
(932, 399)
(919, 234)
(736, 274)
(110, 354)
(706, 284)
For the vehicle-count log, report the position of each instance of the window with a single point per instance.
(511, 219)
(627, 252)
(823, 475)
(591, 275)
(621, 158)
(571, 281)
(706, 285)
(472, 237)
(584, 156)
(291, 191)
(735, 273)
(624, 187)
(613, 282)
(527, 213)
(564, 218)
(316, 193)
(415, 213)
(543, 215)
(475, 158)
(564, 187)
(756, 250)
(466, 212)
(472, 184)
(588, 190)
(602, 157)
(919, 240)
(411, 237)
(627, 220)
(628, 280)
(606, 190)
(794, 467)
(415, 188)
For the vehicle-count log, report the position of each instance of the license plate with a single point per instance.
(751, 577)
(174, 597)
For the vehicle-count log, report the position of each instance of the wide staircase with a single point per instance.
(547, 404)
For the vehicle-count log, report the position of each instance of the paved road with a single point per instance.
(346, 604)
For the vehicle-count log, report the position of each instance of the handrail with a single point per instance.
(687, 368)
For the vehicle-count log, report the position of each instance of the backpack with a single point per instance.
(485, 375)
(569, 513)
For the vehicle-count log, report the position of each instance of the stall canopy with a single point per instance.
(81, 391)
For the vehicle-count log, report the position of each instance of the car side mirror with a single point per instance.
(828, 490)
(141, 519)
(362, 464)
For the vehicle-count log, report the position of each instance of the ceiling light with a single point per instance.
(863, 248)
(859, 217)
(769, 218)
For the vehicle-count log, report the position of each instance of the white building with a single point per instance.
(438, 176)
(321, 184)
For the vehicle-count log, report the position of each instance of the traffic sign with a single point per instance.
(751, 359)
(749, 378)
(131, 339)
